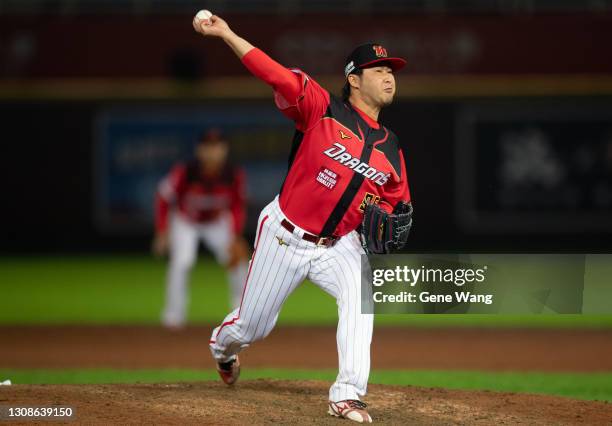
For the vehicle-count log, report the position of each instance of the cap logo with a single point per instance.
(349, 68)
(380, 51)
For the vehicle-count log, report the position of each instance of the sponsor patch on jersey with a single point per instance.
(369, 198)
(338, 153)
(327, 178)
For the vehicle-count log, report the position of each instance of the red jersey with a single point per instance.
(340, 157)
(201, 198)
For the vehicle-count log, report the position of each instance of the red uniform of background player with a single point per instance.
(200, 200)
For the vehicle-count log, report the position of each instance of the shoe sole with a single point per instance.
(332, 413)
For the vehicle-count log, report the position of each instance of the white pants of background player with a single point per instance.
(217, 235)
(276, 269)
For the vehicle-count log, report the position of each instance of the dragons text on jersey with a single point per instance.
(338, 153)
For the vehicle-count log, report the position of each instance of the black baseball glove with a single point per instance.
(383, 232)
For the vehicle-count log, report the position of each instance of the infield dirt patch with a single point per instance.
(309, 347)
(303, 403)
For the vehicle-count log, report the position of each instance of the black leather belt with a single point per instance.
(320, 241)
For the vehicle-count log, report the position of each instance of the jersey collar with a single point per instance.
(373, 124)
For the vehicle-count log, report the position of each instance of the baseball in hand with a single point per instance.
(203, 15)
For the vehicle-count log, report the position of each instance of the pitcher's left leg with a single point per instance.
(339, 268)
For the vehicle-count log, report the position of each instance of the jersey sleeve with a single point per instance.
(396, 190)
(168, 191)
(238, 201)
(296, 94)
(308, 106)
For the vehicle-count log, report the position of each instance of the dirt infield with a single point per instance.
(269, 401)
(304, 403)
(309, 347)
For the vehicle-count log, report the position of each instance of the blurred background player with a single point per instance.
(200, 200)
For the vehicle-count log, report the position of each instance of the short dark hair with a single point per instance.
(346, 90)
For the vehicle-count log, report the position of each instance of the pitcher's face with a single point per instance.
(377, 85)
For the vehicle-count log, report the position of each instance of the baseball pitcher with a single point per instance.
(345, 194)
(200, 200)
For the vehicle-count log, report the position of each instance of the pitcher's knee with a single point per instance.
(253, 334)
(250, 337)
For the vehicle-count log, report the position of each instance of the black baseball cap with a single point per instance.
(211, 136)
(368, 55)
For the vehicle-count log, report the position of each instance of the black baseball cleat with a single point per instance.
(229, 371)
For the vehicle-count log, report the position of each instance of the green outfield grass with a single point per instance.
(590, 386)
(129, 290)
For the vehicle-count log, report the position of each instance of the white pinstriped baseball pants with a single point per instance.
(275, 271)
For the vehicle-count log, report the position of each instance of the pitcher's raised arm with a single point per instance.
(295, 93)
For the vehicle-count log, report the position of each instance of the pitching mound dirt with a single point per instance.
(275, 401)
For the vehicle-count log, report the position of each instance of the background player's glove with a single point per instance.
(238, 251)
(160, 244)
(383, 232)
